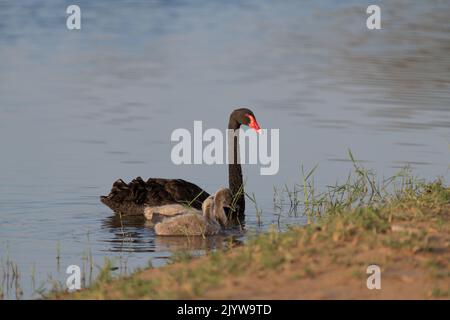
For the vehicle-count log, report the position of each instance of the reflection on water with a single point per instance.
(80, 109)
(135, 234)
(195, 243)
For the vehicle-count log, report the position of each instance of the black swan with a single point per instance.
(207, 222)
(132, 198)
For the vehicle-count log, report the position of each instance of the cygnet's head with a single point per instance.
(224, 197)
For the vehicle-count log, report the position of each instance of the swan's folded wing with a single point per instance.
(131, 198)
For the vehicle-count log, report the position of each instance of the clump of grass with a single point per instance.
(237, 195)
(309, 272)
(362, 189)
(309, 199)
(136, 288)
(440, 293)
(182, 256)
(56, 287)
(105, 275)
(357, 273)
(10, 279)
(258, 211)
(438, 268)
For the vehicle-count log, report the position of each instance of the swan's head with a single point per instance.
(244, 116)
(222, 199)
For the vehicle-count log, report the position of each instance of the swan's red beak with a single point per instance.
(254, 124)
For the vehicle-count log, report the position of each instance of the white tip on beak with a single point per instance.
(259, 131)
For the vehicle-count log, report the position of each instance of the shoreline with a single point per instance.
(408, 237)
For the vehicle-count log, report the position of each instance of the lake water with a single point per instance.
(79, 109)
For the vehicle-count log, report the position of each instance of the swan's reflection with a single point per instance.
(128, 234)
(136, 234)
(195, 243)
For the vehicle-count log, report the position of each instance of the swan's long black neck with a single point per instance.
(236, 182)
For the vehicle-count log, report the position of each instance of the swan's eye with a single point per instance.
(253, 123)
